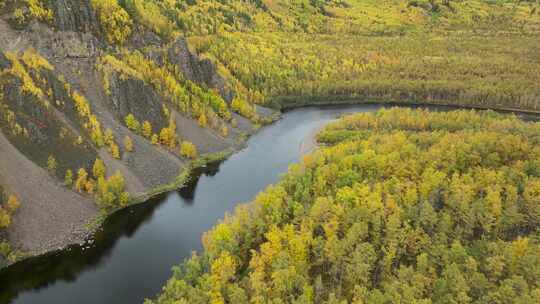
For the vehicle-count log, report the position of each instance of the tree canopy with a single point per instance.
(399, 206)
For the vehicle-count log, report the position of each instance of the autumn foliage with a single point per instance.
(419, 206)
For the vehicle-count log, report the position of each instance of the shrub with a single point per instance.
(188, 149)
(52, 164)
(99, 170)
(128, 144)
(12, 204)
(132, 123)
(68, 179)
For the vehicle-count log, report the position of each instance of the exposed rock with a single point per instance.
(55, 127)
(143, 38)
(62, 44)
(4, 62)
(201, 71)
(43, 125)
(133, 96)
(74, 15)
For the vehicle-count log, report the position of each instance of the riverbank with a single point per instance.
(142, 242)
(293, 102)
(83, 232)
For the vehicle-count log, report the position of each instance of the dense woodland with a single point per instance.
(282, 52)
(404, 206)
(400, 206)
(481, 53)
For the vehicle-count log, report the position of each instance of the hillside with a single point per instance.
(103, 101)
(399, 206)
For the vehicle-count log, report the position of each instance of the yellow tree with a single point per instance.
(225, 131)
(188, 149)
(99, 168)
(82, 178)
(12, 204)
(155, 139)
(147, 129)
(52, 164)
(68, 179)
(203, 121)
(128, 143)
(5, 218)
(114, 20)
(132, 123)
(115, 151)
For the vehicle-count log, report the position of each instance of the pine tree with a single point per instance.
(52, 164)
(12, 204)
(98, 170)
(68, 179)
(147, 129)
(82, 178)
(132, 123)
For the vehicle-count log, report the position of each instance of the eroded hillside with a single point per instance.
(88, 126)
(103, 101)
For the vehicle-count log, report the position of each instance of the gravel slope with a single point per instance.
(50, 215)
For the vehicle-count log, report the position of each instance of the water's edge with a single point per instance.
(102, 231)
(97, 223)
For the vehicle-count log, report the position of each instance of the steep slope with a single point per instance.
(50, 216)
(83, 130)
(115, 98)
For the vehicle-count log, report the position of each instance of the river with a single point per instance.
(132, 255)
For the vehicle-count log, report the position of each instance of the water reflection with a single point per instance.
(133, 254)
(66, 265)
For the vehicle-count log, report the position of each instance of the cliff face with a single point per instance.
(56, 103)
(74, 15)
(197, 70)
(133, 96)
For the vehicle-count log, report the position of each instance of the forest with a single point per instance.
(398, 206)
(285, 53)
(105, 103)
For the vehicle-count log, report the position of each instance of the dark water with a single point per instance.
(133, 254)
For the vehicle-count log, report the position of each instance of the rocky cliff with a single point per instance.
(68, 97)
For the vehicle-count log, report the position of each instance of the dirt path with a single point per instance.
(50, 216)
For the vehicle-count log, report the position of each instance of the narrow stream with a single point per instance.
(132, 256)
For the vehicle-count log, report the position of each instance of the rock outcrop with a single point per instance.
(201, 71)
(56, 108)
(74, 15)
(133, 96)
